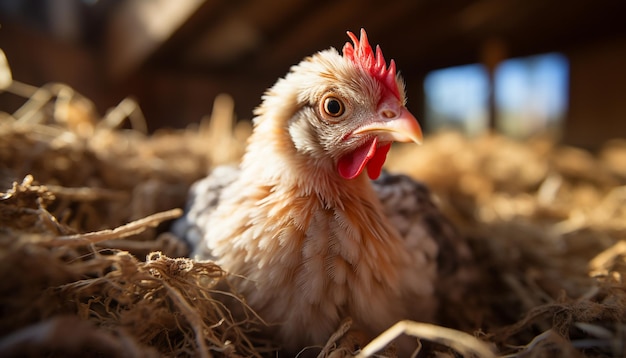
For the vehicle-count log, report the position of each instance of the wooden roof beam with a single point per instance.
(136, 29)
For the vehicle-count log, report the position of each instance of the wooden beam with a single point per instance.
(239, 32)
(137, 29)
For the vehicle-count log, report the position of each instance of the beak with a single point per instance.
(394, 125)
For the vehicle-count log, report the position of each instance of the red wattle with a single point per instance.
(375, 165)
(352, 164)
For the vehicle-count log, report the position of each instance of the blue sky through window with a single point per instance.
(531, 95)
(457, 97)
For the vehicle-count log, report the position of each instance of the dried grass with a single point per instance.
(85, 207)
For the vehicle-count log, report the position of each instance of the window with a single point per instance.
(456, 98)
(531, 95)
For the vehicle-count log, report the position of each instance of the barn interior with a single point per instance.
(522, 99)
(175, 64)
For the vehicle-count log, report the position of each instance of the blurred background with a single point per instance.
(520, 67)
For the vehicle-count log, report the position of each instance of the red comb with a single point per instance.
(361, 54)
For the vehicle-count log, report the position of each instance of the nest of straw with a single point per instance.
(88, 266)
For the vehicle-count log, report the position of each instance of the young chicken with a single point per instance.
(308, 238)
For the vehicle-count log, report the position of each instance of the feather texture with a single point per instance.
(307, 245)
(375, 260)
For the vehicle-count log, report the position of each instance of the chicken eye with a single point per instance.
(333, 106)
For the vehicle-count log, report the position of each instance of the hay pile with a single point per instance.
(88, 267)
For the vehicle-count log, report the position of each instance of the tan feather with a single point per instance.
(307, 247)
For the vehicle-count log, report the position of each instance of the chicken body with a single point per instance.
(309, 239)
